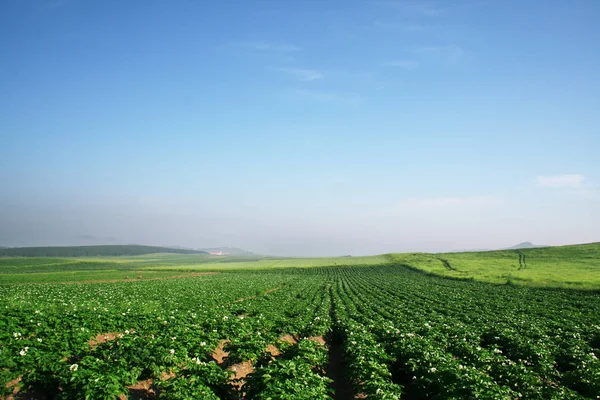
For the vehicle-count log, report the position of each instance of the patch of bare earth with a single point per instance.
(336, 370)
(273, 350)
(219, 354)
(103, 338)
(318, 339)
(140, 391)
(289, 339)
(143, 390)
(14, 384)
(17, 394)
(241, 371)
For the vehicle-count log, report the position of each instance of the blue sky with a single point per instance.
(300, 127)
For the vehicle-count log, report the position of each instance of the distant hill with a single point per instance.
(87, 251)
(524, 245)
(232, 251)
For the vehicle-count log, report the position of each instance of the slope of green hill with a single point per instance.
(575, 266)
(91, 251)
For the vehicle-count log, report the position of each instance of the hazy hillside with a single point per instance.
(524, 245)
(232, 251)
(86, 251)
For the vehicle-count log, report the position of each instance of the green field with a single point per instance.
(575, 266)
(49, 269)
(492, 325)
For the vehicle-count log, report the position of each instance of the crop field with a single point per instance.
(352, 328)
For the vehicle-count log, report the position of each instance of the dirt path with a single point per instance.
(336, 370)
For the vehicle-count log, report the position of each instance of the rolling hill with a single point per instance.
(91, 251)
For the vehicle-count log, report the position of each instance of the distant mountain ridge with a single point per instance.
(91, 251)
(525, 245)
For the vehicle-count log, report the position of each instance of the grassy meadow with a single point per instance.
(576, 266)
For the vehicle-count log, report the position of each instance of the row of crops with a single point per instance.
(270, 335)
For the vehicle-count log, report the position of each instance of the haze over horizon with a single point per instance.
(300, 128)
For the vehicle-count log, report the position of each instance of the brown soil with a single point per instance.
(13, 384)
(140, 391)
(164, 376)
(336, 370)
(288, 338)
(274, 351)
(102, 338)
(219, 354)
(241, 370)
(318, 339)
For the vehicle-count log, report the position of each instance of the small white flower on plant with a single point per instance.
(127, 331)
(173, 338)
(172, 351)
(433, 369)
(23, 352)
(73, 367)
(39, 340)
(202, 343)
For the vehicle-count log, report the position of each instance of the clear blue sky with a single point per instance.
(300, 127)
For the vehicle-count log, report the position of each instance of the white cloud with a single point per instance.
(303, 74)
(404, 64)
(561, 181)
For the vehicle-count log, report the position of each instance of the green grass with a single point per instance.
(272, 263)
(575, 267)
(48, 269)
